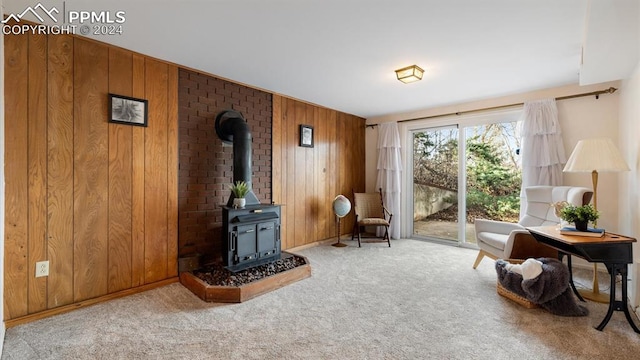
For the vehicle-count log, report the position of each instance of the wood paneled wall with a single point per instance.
(96, 199)
(99, 201)
(306, 180)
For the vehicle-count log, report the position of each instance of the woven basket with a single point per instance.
(502, 291)
(515, 297)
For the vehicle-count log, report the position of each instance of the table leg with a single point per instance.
(612, 298)
(624, 301)
(618, 305)
(573, 286)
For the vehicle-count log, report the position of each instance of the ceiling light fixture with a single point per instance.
(410, 74)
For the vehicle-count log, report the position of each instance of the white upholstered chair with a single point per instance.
(503, 240)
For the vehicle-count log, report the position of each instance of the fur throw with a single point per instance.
(550, 289)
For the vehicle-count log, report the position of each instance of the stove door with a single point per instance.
(246, 245)
(267, 245)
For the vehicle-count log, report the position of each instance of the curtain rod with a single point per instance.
(597, 94)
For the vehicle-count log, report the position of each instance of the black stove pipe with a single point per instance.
(231, 127)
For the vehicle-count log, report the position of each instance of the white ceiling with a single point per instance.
(341, 53)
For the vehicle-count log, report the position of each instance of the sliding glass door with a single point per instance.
(435, 183)
(449, 191)
(493, 173)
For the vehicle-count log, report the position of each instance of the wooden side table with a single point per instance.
(614, 250)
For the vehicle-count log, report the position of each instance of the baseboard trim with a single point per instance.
(313, 244)
(66, 308)
(601, 268)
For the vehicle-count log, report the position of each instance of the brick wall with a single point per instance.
(205, 165)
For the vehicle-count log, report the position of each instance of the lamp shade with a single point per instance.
(409, 74)
(599, 154)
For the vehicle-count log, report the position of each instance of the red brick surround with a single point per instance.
(205, 165)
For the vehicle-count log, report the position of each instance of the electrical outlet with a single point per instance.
(42, 268)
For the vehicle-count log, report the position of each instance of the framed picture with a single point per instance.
(127, 110)
(306, 135)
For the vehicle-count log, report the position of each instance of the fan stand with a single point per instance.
(339, 244)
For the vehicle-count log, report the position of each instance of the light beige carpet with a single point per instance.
(415, 300)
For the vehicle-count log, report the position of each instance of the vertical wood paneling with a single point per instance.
(325, 212)
(317, 175)
(341, 155)
(172, 171)
(60, 171)
(311, 195)
(16, 200)
(156, 172)
(37, 123)
(120, 172)
(276, 146)
(138, 180)
(98, 200)
(333, 161)
(300, 180)
(282, 179)
(347, 164)
(290, 185)
(357, 152)
(91, 164)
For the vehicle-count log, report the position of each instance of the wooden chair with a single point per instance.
(370, 211)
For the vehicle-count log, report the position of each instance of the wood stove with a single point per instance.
(252, 235)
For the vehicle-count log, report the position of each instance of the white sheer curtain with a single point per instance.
(389, 171)
(543, 155)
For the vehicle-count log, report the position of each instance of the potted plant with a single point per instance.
(240, 189)
(581, 216)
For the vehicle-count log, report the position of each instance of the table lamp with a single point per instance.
(594, 156)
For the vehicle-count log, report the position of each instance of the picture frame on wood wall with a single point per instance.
(128, 110)
(306, 136)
